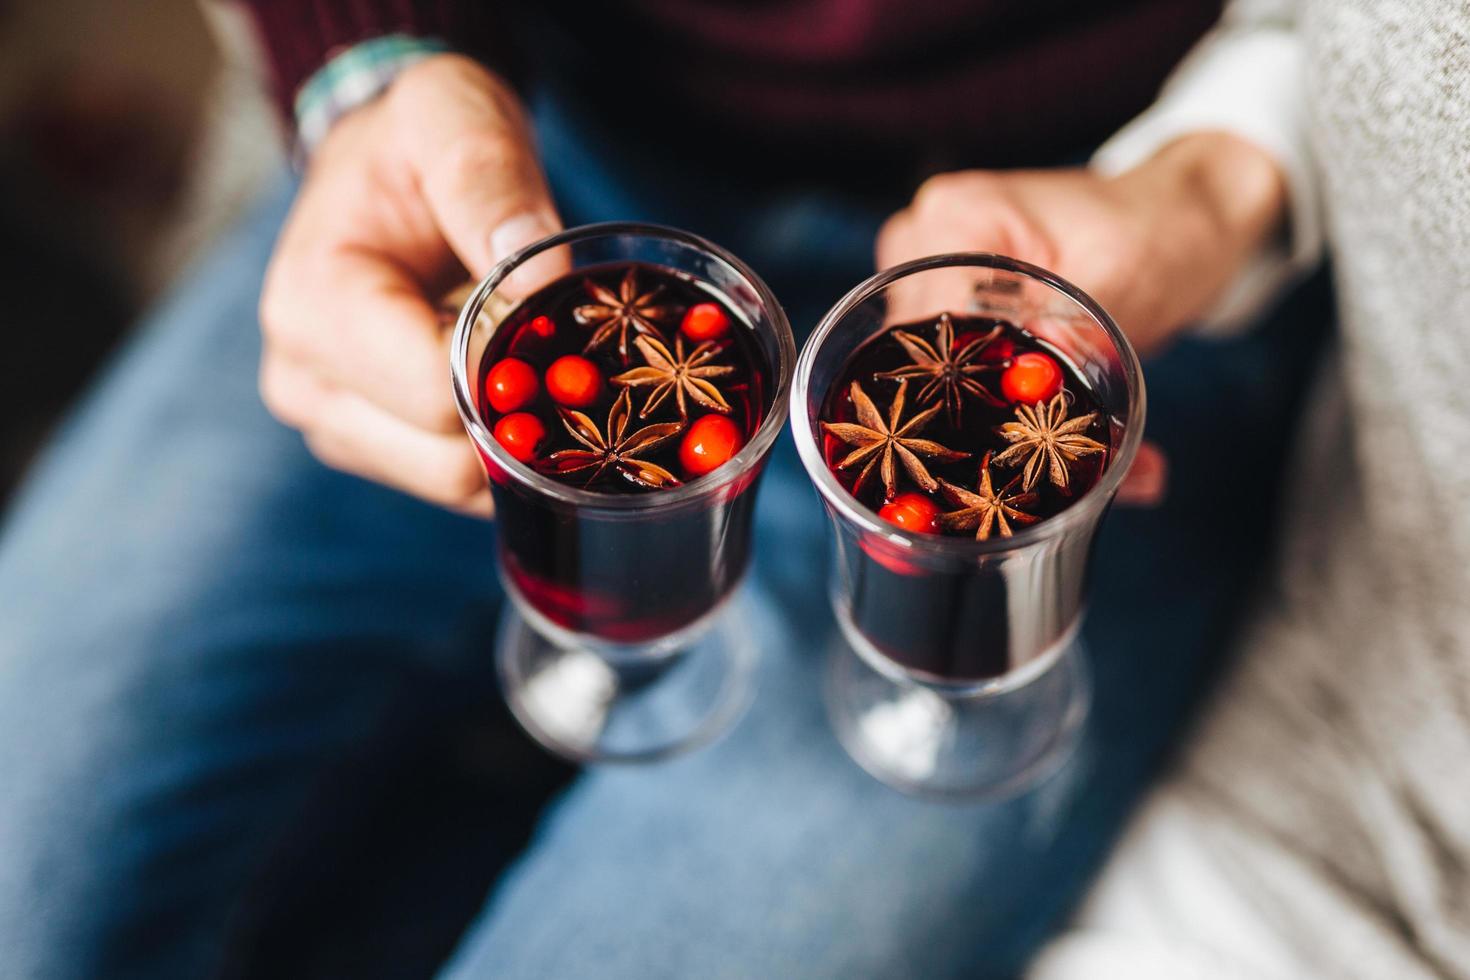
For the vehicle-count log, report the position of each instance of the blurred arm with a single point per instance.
(328, 56)
(1244, 78)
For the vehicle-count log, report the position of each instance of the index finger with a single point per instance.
(363, 324)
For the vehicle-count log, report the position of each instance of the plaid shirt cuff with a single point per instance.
(355, 76)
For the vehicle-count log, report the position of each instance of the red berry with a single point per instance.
(543, 327)
(999, 349)
(1032, 377)
(511, 384)
(709, 444)
(705, 321)
(884, 554)
(521, 434)
(912, 512)
(965, 339)
(574, 381)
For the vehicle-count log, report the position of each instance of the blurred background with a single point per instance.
(130, 135)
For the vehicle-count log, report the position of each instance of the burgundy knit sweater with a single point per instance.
(912, 85)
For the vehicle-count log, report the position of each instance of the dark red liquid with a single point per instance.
(954, 621)
(554, 309)
(618, 575)
(974, 430)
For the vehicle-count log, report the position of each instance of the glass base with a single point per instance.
(590, 701)
(982, 742)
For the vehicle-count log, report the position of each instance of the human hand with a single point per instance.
(1155, 246)
(407, 195)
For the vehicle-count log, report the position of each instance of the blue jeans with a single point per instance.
(202, 629)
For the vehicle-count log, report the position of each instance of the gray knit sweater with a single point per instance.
(1320, 825)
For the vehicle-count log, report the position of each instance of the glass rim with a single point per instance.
(1086, 508)
(733, 469)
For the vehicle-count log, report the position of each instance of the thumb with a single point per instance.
(489, 199)
(480, 177)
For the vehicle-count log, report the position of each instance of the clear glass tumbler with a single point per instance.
(960, 671)
(620, 642)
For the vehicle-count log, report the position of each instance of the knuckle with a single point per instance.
(888, 247)
(278, 395)
(941, 194)
(449, 77)
(326, 452)
(431, 407)
(505, 106)
(468, 158)
(431, 414)
(297, 284)
(892, 227)
(441, 417)
(426, 78)
(463, 477)
(279, 305)
(269, 309)
(933, 192)
(1015, 235)
(273, 319)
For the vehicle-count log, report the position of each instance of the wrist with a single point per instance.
(1204, 204)
(1241, 186)
(353, 78)
(1233, 192)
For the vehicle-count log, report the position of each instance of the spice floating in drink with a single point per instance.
(958, 426)
(641, 379)
(975, 417)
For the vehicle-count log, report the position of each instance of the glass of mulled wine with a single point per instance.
(623, 385)
(966, 419)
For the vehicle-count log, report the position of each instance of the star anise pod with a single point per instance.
(620, 450)
(880, 443)
(1045, 438)
(950, 373)
(614, 313)
(985, 509)
(674, 372)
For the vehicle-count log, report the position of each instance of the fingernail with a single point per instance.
(1151, 486)
(516, 233)
(1147, 481)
